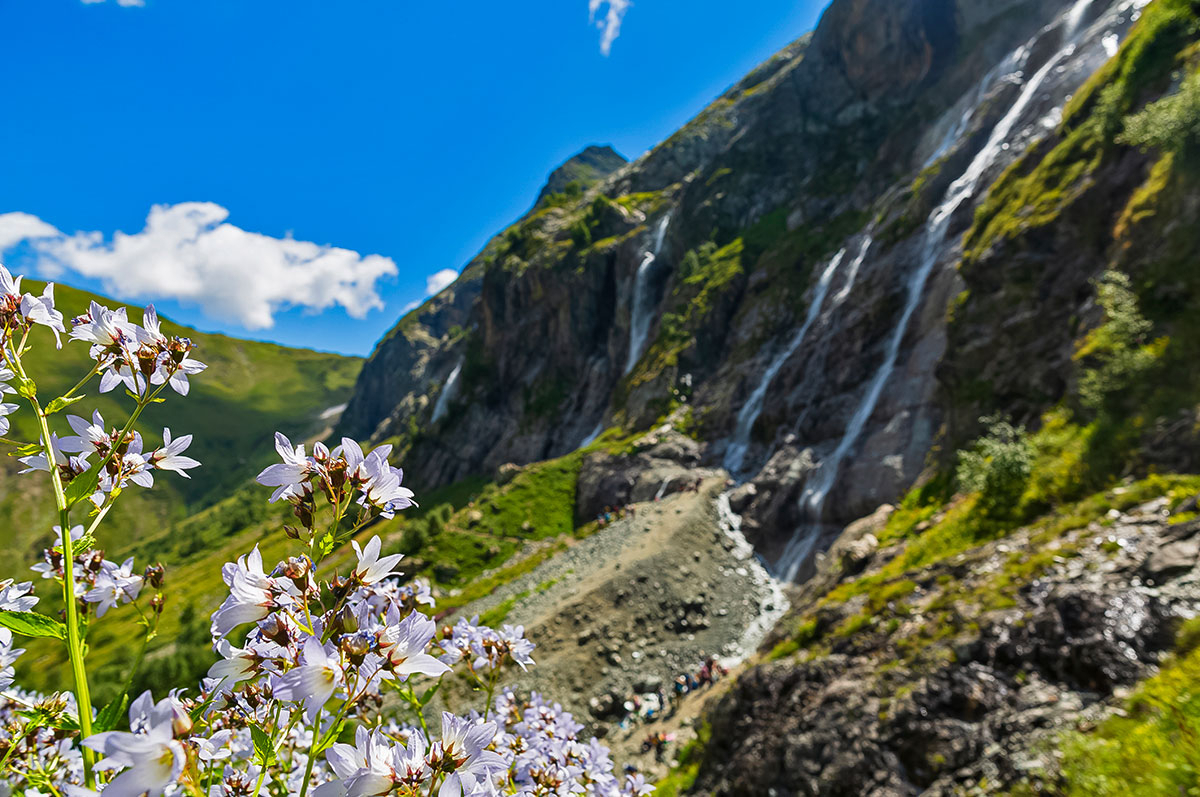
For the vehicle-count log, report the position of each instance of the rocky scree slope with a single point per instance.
(826, 192)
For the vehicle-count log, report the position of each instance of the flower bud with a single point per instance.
(348, 620)
(157, 602)
(181, 722)
(275, 630)
(356, 646)
(154, 575)
(291, 532)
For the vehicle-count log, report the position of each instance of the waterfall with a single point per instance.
(642, 307)
(444, 398)
(591, 438)
(739, 444)
(662, 490)
(1075, 18)
(775, 604)
(937, 227)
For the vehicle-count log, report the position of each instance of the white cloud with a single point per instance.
(435, 283)
(122, 3)
(610, 24)
(188, 252)
(18, 227)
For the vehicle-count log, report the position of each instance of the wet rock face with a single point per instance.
(987, 705)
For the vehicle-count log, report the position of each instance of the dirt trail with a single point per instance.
(628, 609)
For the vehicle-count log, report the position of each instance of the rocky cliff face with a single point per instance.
(825, 193)
(923, 213)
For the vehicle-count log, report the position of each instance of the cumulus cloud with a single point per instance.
(437, 282)
(190, 253)
(610, 23)
(434, 284)
(18, 227)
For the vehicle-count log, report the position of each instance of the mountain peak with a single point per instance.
(594, 163)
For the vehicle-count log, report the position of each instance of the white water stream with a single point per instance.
(447, 394)
(937, 227)
(772, 602)
(642, 307)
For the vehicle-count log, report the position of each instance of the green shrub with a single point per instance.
(1119, 349)
(997, 466)
(1171, 124)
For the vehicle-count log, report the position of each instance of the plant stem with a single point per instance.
(74, 641)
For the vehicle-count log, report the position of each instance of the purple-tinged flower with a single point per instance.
(40, 310)
(114, 585)
(313, 682)
(170, 456)
(462, 755)
(152, 761)
(404, 645)
(636, 786)
(103, 328)
(17, 597)
(371, 568)
(250, 594)
(88, 436)
(290, 473)
(381, 488)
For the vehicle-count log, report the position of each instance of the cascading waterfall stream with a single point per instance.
(774, 604)
(444, 398)
(937, 227)
(642, 307)
(739, 444)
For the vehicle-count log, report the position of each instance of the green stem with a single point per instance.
(312, 754)
(261, 777)
(74, 640)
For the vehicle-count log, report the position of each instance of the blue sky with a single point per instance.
(402, 134)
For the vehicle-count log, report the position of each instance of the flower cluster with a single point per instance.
(20, 312)
(134, 356)
(314, 655)
(338, 475)
(98, 581)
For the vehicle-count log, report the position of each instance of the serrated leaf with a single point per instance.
(111, 714)
(61, 403)
(82, 486)
(32, 624)
(264, 748)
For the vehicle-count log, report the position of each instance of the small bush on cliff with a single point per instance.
(997, 466)
(1171, 124)
(1119, 350)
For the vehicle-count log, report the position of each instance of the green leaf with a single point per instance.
(26, 387)
(111, 714)
(199, 710)
(29, 449)
(429, 693)
(332, 736)
(82, 486)
(61, 403)
(32, 624)
(264, 748)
